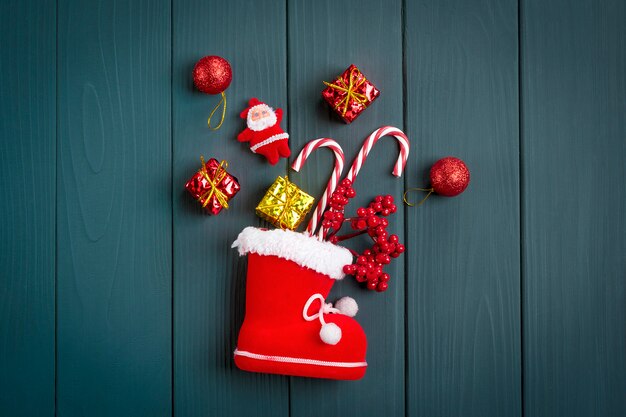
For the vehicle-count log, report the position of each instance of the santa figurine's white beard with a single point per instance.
(262, 123)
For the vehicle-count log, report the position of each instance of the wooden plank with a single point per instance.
(114, 218)
(463, 266)
(209, 276)
(574, 142)
(325, 37)
(27, 220)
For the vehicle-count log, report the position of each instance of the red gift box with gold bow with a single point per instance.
(212, 186)
(350, 94)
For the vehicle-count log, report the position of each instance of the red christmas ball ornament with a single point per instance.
(212, 74)
(449, 176)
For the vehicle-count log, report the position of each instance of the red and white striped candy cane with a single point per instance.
(332, 182)
(403, 141)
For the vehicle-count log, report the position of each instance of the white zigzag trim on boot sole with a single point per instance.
(323, 257)
(302, 361)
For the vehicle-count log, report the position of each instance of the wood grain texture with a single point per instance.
(325, 37)
(114, 217)
(463, 252)
(480, 319)
(574, 143)
(209, 276)
(27, 209)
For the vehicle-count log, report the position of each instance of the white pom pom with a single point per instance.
(347, 306)
(330, 333)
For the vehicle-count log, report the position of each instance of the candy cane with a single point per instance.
(332, 182)
(403, 141)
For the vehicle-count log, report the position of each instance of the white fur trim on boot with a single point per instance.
(347, 306)
(323, 257)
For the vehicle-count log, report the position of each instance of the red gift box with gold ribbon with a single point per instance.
(212, 186)
(350, 94)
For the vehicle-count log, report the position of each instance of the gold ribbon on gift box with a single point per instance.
(220, 173)
(349, 89)
(284, 204)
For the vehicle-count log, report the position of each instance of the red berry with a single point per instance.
(400, 248)
(378, 198)
(381, 286)
(350, 193)
(369, 212)
(384, 222)
(372, 221)
(371, 285)
(361, 260)
(393, 239)
(361, 224)
(384, 247)
(346, 182)
(340, 190)
(360, 270)
(383, 258)
(361, 278)
(333, 239)
(367, 252)
(393, 208)
(394, 254)
(361, 212)
(384, 277)
(376, 207)
(349, 269)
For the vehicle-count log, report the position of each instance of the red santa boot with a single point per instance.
(288, 328)
(264, 133)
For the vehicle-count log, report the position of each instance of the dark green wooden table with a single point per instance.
(119, 298)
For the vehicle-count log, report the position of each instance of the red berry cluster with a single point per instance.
(369, 265)
(334, 217)
(371, 220)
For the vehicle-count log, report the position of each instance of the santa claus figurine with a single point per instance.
(264, 133)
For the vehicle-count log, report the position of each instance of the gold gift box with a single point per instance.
(284, 205)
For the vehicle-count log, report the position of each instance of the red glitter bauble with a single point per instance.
(212, 74)
(449, 176)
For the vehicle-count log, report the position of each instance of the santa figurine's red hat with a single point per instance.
(251, 103)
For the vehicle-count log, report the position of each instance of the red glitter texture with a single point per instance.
(212, 74)
(449, 176)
